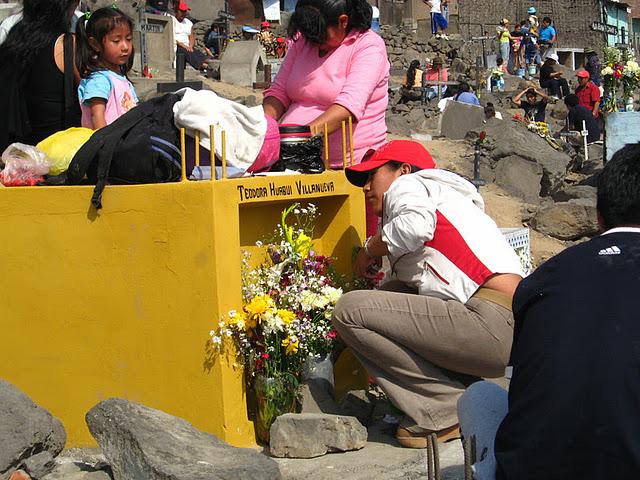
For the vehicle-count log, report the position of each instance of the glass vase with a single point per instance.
(628, 104)
(275, 396)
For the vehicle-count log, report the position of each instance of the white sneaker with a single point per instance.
(437, 35)
(444, 37)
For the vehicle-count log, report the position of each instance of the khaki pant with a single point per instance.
(416, 347)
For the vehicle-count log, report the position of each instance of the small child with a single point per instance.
(105, 55)
(497, 73)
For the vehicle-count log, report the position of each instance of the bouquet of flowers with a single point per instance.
(620, 69)
(287, 301)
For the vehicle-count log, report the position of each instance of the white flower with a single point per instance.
(258, 243)
(331, 294)
(607, 71)
(216, 340)
(221, 324)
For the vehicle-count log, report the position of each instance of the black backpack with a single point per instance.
(142, 146)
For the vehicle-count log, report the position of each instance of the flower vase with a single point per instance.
(628, 104)
(275, 396)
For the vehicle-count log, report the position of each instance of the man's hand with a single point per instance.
(365, 266)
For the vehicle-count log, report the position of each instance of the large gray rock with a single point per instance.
(510, 139)
(143, 443)
(38, 465)
(577, 192)
(566, 220)
(308, 435)
(459, 118)
(25, 429)
(76, 471)
(520, 177)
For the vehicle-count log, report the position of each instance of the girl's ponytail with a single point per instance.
(86, 58)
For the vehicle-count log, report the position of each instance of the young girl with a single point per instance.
(104, 56)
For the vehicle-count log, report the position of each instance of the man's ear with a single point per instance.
(343, 21)
(405, 168)
(601, 225)
(95, 46)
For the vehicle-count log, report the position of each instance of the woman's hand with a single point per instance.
(333, 117)
(369, 258)
(366, 266)
(273, 107)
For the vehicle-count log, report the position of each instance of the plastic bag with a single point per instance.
(304, 157)
(62, 146)
(24, 165)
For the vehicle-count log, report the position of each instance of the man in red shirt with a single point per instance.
(588, 93)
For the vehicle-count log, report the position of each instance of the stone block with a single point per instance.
(308, 435)
(140, 442)
(38, 465)
(459, 118)
(241, 62)
(566, 220)
(520, 177)
(25, 429)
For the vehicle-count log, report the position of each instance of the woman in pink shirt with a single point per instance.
(336, 67)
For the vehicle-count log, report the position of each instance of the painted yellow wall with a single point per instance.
(120, 303)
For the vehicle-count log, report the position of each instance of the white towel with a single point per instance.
(245, 127)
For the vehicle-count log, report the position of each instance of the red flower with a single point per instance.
(264, 355)
(483, 135)
(332, 334)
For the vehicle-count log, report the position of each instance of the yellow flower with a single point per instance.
(287, 316)
(302, 245)
(292, 345)
(237, 320)
(256, 308)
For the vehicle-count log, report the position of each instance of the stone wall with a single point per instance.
(405, 44)
(572, 19)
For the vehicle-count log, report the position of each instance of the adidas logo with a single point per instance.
(610, 251)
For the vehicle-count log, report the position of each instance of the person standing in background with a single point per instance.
(438, 22)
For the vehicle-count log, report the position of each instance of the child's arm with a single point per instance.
(97, 106)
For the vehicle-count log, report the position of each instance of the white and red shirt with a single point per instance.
(439, 238)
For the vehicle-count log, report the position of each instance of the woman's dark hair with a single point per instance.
(312, 17)
(411, 73)
(42, 22)
(547, 20)
(489, 110)
(97, 25)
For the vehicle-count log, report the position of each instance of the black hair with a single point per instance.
(548, 20)
(312, 17)
(531, 91)
(43, 21)
(571, 100)
(395, 165)
(464, 87)
(619, 188)
(499, 61)
(411, 73)
(489, 111)
(97, 25)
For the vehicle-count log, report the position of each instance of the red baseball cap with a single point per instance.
(405, 151)
(583, 74)
(184, 6)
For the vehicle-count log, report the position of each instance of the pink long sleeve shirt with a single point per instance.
(355, 75)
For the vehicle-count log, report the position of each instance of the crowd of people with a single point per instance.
(524, 48)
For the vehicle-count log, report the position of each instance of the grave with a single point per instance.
(242, 63)
(160, 42)
(459, 118)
